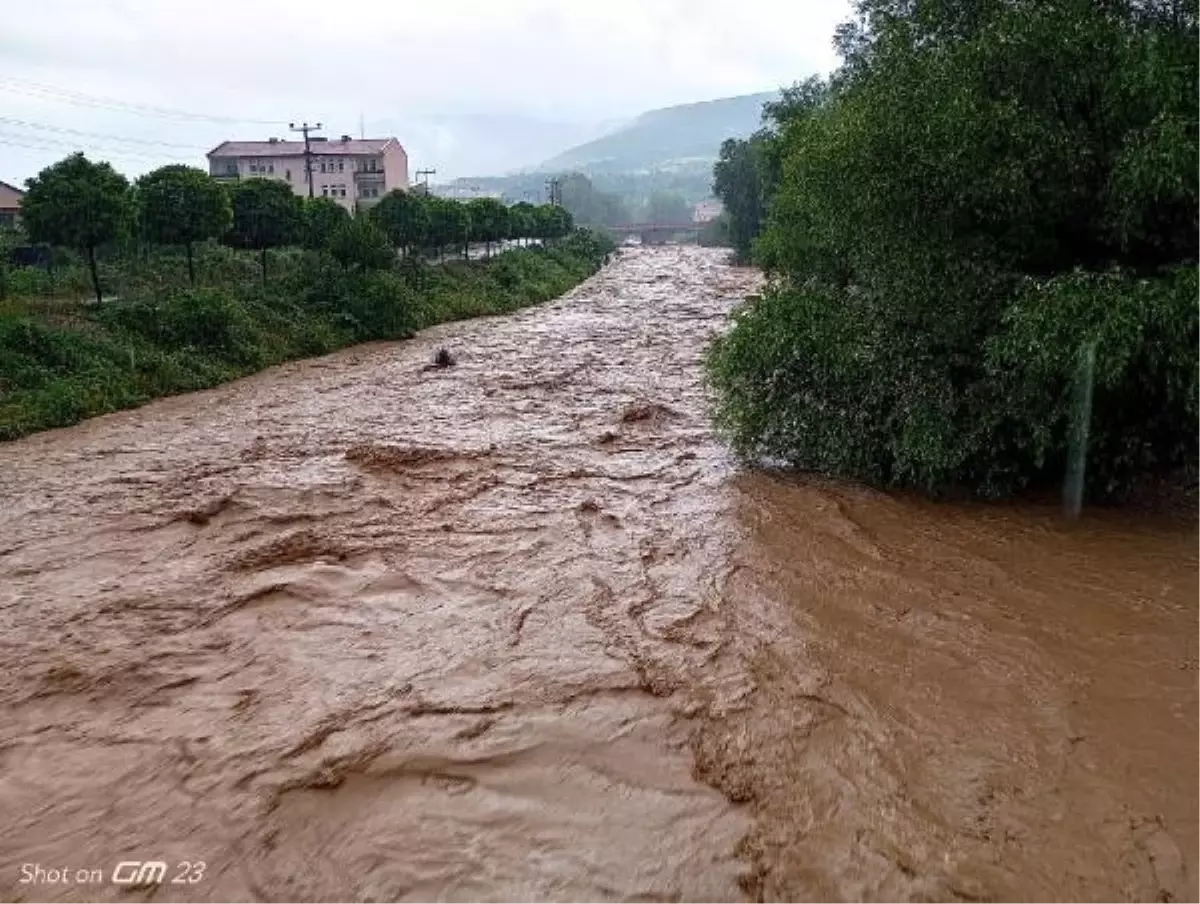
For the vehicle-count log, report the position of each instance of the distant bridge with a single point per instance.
(657, 233)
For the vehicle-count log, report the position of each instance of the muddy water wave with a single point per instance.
(519, 629)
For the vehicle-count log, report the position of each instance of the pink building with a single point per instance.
(10, 205)
(354, 172)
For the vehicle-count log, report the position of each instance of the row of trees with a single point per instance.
(87, 205)
(593, 207)
(983, 195)
(599, 198)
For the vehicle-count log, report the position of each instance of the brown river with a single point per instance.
(521, 629)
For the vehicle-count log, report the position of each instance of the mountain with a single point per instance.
(682, 137)
(457, 145)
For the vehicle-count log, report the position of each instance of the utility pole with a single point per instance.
(305, 128)
(425, 174)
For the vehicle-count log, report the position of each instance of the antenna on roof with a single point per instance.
(362, 127)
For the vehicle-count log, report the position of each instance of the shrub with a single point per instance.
(969, 201)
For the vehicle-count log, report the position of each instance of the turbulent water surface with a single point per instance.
(355, 628)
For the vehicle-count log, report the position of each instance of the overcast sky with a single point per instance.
(420, 69)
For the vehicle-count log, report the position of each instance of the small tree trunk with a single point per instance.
(91, 252)
(263, 259)
(191, 267)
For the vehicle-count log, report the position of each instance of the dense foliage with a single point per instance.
(266, 214)
(79, 204)
(181, 205)
(980, 192)
(667, 207)
(323, 217)
(61, 361)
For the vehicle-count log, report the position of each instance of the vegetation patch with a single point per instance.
(982, 212)
(195, 284)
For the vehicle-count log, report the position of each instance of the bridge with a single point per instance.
(657, 233)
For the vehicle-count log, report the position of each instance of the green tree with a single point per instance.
(266, 214)
(489, 221)
(405, 218)
(181, 205)
(522, 220)
(323, 217)
(668, 207)
(80, 204)
(590, 207)
(561, 221)
(449, 224)
(736, 183)
(551, 221)
(359, 243)
(457, 226)
(979, 192)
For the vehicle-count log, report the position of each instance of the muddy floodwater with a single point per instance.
(355, 629)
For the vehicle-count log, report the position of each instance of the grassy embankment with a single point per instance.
(62, 361)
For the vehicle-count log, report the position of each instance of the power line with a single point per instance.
(50, 92)
(39, 143)
(107, 137)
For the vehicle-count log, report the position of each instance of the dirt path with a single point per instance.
(350, 629)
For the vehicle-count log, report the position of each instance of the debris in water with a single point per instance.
(647, 411)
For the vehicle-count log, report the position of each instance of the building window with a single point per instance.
(322, 166)
(324, 191)
(270, 167)
(341, 166)
(287, 174)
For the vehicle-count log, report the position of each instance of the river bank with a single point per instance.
(63, 362)
(523, 629)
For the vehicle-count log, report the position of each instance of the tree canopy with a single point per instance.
(668, 207)
(323, 217)
(266, 214)
(404, 218)
(80, 204)
(489, 221)
(590, 207)
(451, 224)
(982, 191)
(359, 243)
(181, 205)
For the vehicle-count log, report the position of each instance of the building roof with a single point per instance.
(19, 191)
(330, 147)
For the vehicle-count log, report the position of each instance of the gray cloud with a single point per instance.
(435, 74)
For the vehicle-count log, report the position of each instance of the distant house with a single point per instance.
(354, 172)
(10, 205)
(706, 211)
